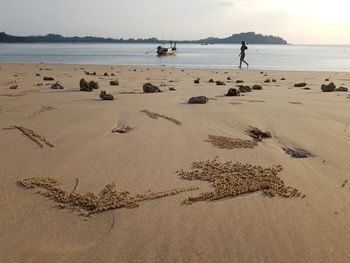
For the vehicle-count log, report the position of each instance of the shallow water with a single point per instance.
(278, 57)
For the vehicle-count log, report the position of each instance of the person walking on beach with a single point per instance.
(242, 54)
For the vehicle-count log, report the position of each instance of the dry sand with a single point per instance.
(88, 157)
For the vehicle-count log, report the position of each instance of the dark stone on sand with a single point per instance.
(326, 80)
(307, 88)
(196, 81)
(105, 96)
(273, 80)
(112, 74)
(239, 81)
(267, 81)
(328, 88)
(14, 87)
(37, 74)
(300, 85)
(106, 74)
(220, 83)
(198, 100)
(233, 92)
(56, 85)
(244, 89)
(149, 88)
(283, 78)
(48, 78)
(172, 89)
(296, 153)
(228, 78)
(258, 134)
(341, 89)
(211, 81)
(114, 83)
(85, 86)
(257, 87)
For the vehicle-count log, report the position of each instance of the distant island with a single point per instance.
(250, 37)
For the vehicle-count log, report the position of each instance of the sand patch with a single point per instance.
(91, 203)
(154, 115)
(231, 143)
(232, 179)
(43, 109)
(35, 137)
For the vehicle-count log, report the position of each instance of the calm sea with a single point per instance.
(279, 57)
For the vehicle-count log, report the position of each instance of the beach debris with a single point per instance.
(257, 87)
(90, 73)
(344, 89)
(88, 86)
(258, 134)
(172, 89)
(35, 137)
(155, 116)
(328, 88)
(344, 183)
(39, 84)
(48, 79)
(57, 85)
(43, 109)
(122, 129)
(198, 100)
(296, 153)
(231, 179)
(267, 81)
(233, 92)
(105, 96)
(90, 203)
(211, 81)
(14, 87)
(114, 83)
(149, 88)
(196, 81)
(244, 89)
(231, 143)
(239, 81)
(220, 83)
(300, 85)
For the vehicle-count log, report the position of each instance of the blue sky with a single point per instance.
(298, 21)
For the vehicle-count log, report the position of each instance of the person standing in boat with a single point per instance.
(242, 54)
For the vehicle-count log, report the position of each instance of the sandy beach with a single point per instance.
(160, 219)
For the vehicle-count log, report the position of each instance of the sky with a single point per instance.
(297, 21)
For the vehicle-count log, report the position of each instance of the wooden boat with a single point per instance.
(167, 51)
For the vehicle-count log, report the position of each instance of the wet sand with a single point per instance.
(159, 137)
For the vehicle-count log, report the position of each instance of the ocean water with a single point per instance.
(278, 57)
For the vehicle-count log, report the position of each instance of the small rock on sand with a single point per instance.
(211, 81)
(196, 81)
(114, 83)
(300, 85)
(57, 85)
(88, 86)
(341, 89)
(48, 78)
(198, 100)
(267, 81)
(220, 83)
(328, 88)
(257, 87)
(105, 96)
(233, 92)
(244, 89)
(239, 81)
(14, 87)
(149, 88)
